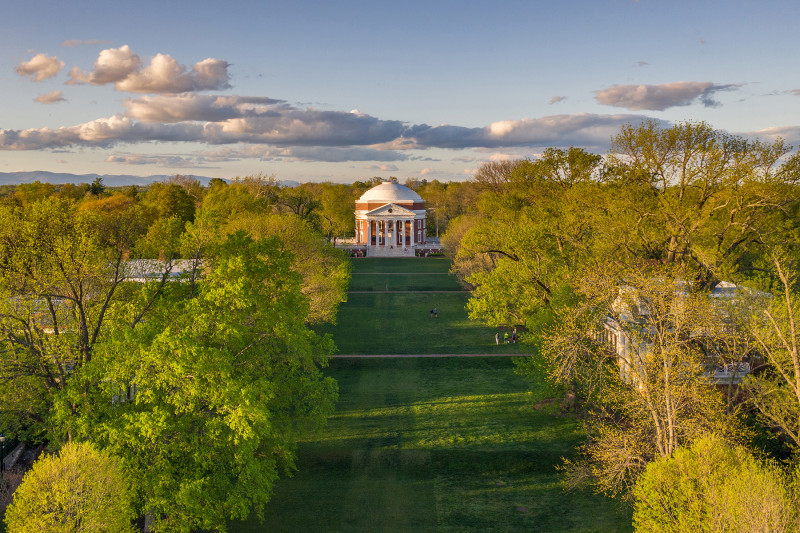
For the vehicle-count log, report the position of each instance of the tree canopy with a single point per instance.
(551, 244)
(79, 490)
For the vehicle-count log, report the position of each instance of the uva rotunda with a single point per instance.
(390, 220)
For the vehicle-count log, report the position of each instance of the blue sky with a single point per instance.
(347, 90)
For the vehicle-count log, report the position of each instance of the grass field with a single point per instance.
(404, 282)
(400, 323)
(448, 445)
(401, 264)
(432, 444)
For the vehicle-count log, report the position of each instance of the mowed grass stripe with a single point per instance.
(400, 323)
(400, 265)
(450, 445)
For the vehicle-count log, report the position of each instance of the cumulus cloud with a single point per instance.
(103, 132)
(195, 107)
(583, 129)
(661, 97)
(79, 42)
(40, 67)
(557, 99)
(271, 129)
(50, 98)
(164, 75)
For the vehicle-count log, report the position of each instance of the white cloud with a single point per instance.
(309, 133)
(163, 75)
(661, 97)
(112, 65)
(791, 134)
(40, 67)
(99, 132)
(196, 107)
(50, 98)
(557, 99)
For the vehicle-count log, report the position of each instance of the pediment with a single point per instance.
(391, 210)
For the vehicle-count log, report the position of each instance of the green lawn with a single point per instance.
(375, 281)
(401, 324)
(446, 445)
(397, 323)
(432, 444)
(401, 264)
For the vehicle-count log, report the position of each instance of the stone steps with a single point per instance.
(386, 251)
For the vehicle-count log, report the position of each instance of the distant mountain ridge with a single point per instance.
(109, 180)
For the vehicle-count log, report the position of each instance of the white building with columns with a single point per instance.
(390, 220)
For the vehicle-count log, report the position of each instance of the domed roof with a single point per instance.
(390, 192)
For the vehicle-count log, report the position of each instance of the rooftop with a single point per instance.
(390, 192)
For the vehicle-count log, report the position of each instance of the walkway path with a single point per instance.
(401, 356)
(401, 274)
(406, 292)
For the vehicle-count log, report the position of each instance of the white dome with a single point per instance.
(390, 192)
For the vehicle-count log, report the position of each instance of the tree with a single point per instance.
(97, 188)
(300, 201)
(323, 268)
(700, 196)
(532, 235)
(205, 400)
(61, 271)
(495, 174)
(171, 200)
(775, 392)
(335, 210)
(80, 489)
(713, 487)
(28, 193)
(654, 396)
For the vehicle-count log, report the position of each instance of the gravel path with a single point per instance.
(405, 292)
(400, 356)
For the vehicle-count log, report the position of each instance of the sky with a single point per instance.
(348, 90)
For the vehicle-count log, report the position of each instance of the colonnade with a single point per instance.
(386, 232)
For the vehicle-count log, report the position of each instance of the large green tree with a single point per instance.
(205, 399)
(61, 268)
